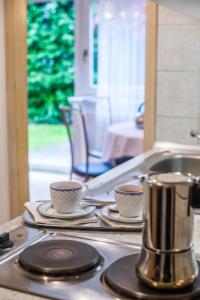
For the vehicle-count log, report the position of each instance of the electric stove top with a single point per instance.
(58, 266)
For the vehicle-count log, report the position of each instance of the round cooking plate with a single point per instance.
(121, 278)
(59, 257)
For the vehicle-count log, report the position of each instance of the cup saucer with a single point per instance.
(113, 208)
(114, 215)
(46, 209)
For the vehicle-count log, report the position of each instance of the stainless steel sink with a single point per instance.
(162, 161)
(178, 163)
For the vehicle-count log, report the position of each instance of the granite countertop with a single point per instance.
(130, 237)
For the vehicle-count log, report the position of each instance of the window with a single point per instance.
(93, 43)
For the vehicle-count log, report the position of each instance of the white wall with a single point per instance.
(4, 195)
(178, 77)
(188, 7)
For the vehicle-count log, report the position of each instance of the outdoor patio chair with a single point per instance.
(89, 106)
(81, 165)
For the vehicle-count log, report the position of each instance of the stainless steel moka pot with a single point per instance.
(167, 259)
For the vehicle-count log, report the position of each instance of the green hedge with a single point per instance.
(50, 58)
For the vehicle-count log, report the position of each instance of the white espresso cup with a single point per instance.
(129, 200)
(66, 195)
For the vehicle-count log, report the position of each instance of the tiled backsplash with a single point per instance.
(178, 77)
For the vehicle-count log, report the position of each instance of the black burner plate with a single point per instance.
(122, 279)
(59, 257)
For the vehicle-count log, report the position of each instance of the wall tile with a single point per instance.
(176, 130)
(178, 77)
(178, 94)
(168, 16)
(179, 48)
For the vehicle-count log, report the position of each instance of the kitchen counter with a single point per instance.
(129, 237)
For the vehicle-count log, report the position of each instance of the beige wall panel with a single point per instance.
(4, 202)
(151, 63)
(16, 82)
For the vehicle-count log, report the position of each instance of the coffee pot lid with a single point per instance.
(170, 178)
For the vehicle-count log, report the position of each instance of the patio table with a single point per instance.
(123, 139)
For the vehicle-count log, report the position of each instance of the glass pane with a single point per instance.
(93, 43)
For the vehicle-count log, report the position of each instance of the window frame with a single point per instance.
(82, 49)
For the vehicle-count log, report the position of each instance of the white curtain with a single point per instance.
(121, 57)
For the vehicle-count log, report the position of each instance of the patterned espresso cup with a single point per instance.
(66, 195)
(129, 200)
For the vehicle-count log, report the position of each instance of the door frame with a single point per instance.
(151, 80)
(82, 49)
(15, 20)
